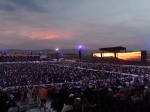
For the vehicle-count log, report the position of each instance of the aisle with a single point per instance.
(34, 105)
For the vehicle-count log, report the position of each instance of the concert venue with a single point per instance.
(74, 55)
(101, 81)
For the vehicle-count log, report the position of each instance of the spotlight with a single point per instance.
(80, 47)
(57, 49)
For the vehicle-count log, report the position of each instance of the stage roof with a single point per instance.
(113, 49)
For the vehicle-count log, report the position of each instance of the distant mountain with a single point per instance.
(49, 51)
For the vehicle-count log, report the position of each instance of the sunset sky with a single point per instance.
(65, 24)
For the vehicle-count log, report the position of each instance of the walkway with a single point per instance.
(33, 104)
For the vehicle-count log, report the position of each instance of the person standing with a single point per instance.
(43, 95)
(35, 92)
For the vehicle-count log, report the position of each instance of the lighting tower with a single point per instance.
(80, 52)
(57, 54)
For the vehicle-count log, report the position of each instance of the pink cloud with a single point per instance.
(41, 34)
(38, 34)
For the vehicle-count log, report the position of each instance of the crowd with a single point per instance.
(18, 74)
(17, 58)
(81, 86)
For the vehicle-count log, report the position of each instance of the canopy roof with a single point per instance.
(113, 49)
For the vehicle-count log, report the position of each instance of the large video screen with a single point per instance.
(130, 56)
(127, 56)
(97, 55)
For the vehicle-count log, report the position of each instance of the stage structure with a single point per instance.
(119, 54)
(114, 50)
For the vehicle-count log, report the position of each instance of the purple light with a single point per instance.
(80, 47)
(4, 50)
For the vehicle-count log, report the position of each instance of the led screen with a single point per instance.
(130, 56)
(127, 56)
(108, 55)
(96, 54)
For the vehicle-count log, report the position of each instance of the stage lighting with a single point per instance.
(30, 52)
(4, 52)
(57, 49)
(80, 47)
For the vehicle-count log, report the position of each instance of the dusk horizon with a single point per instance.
(36, 24)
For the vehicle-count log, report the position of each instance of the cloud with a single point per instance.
(6, 7)
(39, 24)
(39, 34)
(18, 5)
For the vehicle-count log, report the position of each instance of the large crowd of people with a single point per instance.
(21, 58)
(78, 86)
(18, 74)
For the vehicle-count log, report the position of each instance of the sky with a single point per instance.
(66, 24)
